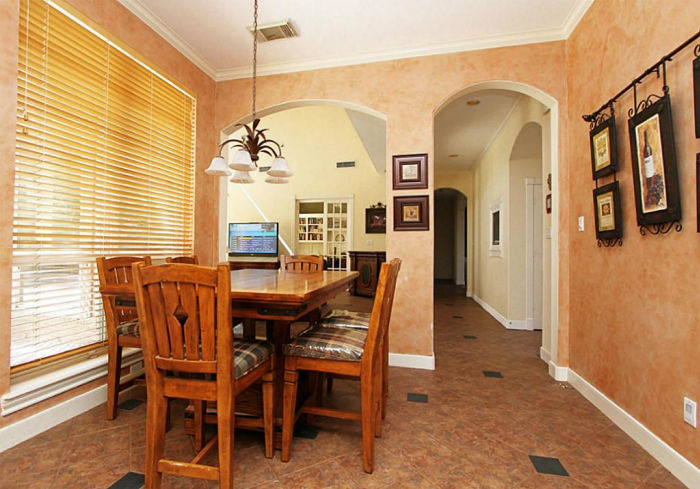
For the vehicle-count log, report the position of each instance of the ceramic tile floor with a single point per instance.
(475, 432)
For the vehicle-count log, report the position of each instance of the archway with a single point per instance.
(548, 350)
(450, 243)
(363, 120)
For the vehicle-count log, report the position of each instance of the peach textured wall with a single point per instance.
(635, 309)
(408, 92)
(112, 17)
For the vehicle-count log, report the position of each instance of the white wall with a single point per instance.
(460, 204)
(492, 274)
(314, 139)
(519, 171)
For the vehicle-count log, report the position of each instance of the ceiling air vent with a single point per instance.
(345, 164)
(276, 30)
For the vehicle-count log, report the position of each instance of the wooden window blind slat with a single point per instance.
(104, 166)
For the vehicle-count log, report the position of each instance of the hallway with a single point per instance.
(474, 432)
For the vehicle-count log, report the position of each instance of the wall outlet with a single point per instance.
(370, 242)
(690, 412)
(580, 223)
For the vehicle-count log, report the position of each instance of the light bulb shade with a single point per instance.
(276, 180)
(280, 168)
(218, 167)
(242, 177)
(242, 161)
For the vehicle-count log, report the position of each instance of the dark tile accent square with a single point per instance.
(469, 337)
(548, 465)
(491, 373)
(413, 397)
(132, 480)
(306, 431)
(457, 316)
(130, 404)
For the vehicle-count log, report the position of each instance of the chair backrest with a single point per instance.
(117, 272)
(381, 311)
(301, 263)
(180, 308)
(188, 260)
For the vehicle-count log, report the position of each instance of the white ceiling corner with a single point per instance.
(213, 34)
(163, 30)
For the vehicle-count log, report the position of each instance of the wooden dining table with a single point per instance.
(280, 298)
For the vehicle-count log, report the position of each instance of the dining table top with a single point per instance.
(289, 287)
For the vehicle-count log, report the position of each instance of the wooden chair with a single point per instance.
(185, 312)
(301, 263)
(343, 351)
(189, 260)
(120, 318)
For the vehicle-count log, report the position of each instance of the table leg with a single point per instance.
(281, 338)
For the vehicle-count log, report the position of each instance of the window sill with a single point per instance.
(46, 381)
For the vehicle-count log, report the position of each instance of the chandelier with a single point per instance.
(253, 143)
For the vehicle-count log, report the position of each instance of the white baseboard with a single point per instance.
(520, 324)
(560, 374)
(545, 355)
(426, 362)
(469, 293)
(31, 426)
(678, 465)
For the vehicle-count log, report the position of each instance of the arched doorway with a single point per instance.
(450, 248)
(550, 114)
(369, 129)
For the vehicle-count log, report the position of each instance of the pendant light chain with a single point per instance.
(255, 53)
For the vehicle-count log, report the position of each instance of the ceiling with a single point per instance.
(213, 33)
(468, 130)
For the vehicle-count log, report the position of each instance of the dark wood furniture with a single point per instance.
(301, 263)
(281, 298)
(189, 260)
(186, 316)
(367, 263)
(253, 265)
(350, 352)
(121, 321)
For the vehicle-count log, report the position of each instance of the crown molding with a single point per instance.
(575, 16)
(162, 29)
(490, 42)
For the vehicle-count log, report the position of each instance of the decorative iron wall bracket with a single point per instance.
(661, 228)
(609, 243)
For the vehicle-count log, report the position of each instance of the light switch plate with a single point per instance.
(690, 412)
(580, 223)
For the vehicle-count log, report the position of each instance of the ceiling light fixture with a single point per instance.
(453, 156)
(253, 143)
(474, 102)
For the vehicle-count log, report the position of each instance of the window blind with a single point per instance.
(104, 167)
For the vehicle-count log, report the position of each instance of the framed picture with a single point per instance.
(654, 172)
(375, 220)
(696, 94)
(608, 213)
(411, 213)
(410, 171)
(604, 148)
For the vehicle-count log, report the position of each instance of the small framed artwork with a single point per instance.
(375, 219)
(548, 203)
(608, 213)
(411, 213)
(410, 171)
(604, 148)
(654, 172)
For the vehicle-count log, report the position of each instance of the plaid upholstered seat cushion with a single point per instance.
(250, 354)
(329, 342)
(346, 319)
(129, 328)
